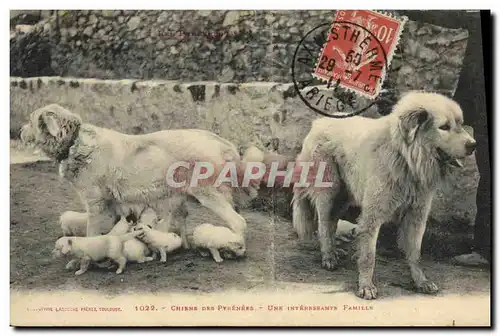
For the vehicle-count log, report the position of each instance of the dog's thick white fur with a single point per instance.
(159, 241)
(390, 167)
(116, 174)
(215, 238)
(74, 223)
(96, 248)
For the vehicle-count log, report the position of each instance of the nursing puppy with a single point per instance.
(109, 169)
(218, 239)
(133, 249)
(158, 241)
(74, 223)
(96, 248)
(390, 167)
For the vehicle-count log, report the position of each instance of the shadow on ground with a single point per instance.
(275, 257)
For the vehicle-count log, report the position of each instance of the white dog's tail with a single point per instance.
(303, 216)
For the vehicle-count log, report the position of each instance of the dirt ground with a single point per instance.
(275, 258)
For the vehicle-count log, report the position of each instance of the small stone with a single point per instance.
(160, 45)
(73, 32)
(163, 17)
(121, 19)
(231, 18)
(294, 30)
(92, 19)
(88, 31)
(82, 20)
(107, 13)
(227, 75)
(133, 23)
(173, 50)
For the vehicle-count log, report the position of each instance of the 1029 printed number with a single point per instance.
(145, 308)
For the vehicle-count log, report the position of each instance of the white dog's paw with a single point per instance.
(218, 260)
(79, 272)
(329, 262)
(427, 287)
(119, 271)
(368, 292)
(72, 265)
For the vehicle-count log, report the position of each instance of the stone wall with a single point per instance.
(223, 46)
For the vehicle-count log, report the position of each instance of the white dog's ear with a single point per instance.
(67, 247)
(411, 122)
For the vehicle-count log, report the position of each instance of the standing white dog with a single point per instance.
(390, 167)
(115, 173)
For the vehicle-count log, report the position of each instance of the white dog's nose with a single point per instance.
(470, 147)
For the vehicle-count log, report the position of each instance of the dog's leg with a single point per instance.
(180, 215)
(72, 264)
(326, 228)
(122, 262)
(302, 216)
(101, 218)
(216, 255)
(203, 252)
(410, 241)
(367, 240)
(219, 204)
(84, 265)
(163, 255)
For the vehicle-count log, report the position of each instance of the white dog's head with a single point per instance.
(235, 248)
(63, 247)
(435, 123)
(53, 129)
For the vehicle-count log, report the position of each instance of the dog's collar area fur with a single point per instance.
(64, 154)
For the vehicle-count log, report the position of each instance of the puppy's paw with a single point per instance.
(119, 271)
(367, 292)
(72, 265)
(329, 262)
(80, 272)
(427, 287)
(218, 260)
(146, 259)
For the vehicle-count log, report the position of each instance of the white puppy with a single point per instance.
(215, 238)
(156, 240)
(96, 248)
(74, 223)
(134, 249)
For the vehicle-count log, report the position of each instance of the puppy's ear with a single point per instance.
(67, 247)
(410, 123)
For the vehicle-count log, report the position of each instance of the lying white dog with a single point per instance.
(158, 241)
(95, 249)
(74, 223)
(214, 238)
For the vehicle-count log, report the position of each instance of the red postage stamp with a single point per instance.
(358, 50)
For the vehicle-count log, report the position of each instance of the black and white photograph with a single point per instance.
(307, 168)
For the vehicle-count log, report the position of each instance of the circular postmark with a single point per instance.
(338, 68)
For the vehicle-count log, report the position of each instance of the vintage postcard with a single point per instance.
(250, 168)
